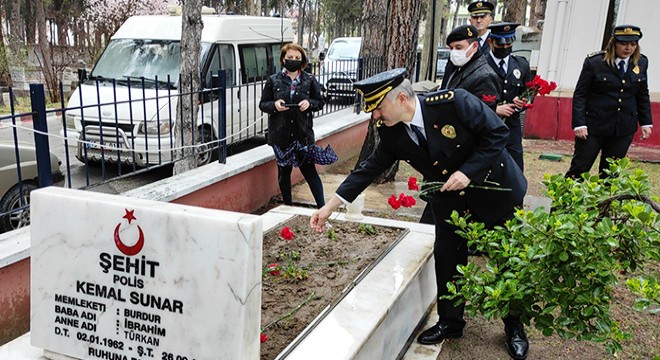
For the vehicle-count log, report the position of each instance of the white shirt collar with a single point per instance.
(484, 37)
(497, 60)
(418, 119)
(625, 61)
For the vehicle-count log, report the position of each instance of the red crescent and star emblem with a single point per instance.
(125, 249)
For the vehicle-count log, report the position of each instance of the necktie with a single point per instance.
(502, 67)
(622, 69)
(421, 140)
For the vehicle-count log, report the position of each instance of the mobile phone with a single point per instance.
(290, 105)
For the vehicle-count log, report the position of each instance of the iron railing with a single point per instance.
(104, 134)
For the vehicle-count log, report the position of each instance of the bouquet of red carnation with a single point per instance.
(538, 86)
(431, 187)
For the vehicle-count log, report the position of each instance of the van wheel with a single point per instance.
(12, 201)
(205, 151)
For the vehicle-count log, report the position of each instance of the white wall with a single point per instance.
(575, 28)
(643, 13)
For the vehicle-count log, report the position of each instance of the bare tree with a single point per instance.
(44, 54)
(191, 34)
(434, 16)
(396, 33)
(537, 13)
(514, 11)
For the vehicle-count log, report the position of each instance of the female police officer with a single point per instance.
(611, 97)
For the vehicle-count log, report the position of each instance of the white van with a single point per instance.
(339, 70)
(136, 83)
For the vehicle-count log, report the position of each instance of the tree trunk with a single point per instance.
(302, 4)
(5, 78)
(396, 34)
(45, 58)
(402, 38)
(191, 33)
(431, 40)
(537, 13)
(515, 11)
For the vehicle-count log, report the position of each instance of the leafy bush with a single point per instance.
(557, 269)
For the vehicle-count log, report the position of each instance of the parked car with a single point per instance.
(339, 70)
(15, 201)
(443, 57)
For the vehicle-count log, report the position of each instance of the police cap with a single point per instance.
(627, 33)
(463, 32)
(480, 8)
(503, 33)
(374, 89)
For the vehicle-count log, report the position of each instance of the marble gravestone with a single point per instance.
(121, 278)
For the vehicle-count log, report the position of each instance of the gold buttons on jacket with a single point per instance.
(444, 172)
(462, 193)
(623, 81)
(619, 100)
(435, 163)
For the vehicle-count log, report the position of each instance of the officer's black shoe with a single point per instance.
(516, 342)
(437, 334)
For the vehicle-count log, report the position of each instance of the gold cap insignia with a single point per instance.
(448, 131)
(469, 32)
(636, 69)
(507, 28)
(628, 30)
(480, 4)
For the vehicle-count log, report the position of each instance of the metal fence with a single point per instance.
(104, 134)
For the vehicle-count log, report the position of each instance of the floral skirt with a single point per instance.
(297, 154)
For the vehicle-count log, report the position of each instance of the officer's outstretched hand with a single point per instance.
(319, 217)
(457, 181)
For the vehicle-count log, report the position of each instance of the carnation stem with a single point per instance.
(288, 315)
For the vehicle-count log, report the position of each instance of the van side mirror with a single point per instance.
(321, 56)
(82, 75)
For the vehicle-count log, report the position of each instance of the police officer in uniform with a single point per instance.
(449, 136)
(513, 72)
(481, 16)
(468, 69)
(611, 98)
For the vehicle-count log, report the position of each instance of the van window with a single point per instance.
(135, 58)
(276, 50)
(254, 59)
(222, 57)
(344, 50)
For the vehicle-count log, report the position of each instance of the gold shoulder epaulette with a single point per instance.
(595, 53)
(439, 97)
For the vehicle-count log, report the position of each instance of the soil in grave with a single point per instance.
(329, 264)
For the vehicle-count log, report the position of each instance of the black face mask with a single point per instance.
(292, 65)
(501, 53)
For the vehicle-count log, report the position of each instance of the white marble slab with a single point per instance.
(149, 280)
(378, 316)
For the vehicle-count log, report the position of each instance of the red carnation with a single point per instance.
(286, 233)
(263, 338)
(394, 202)
(274, 269)
(408, 201)
(412, 183)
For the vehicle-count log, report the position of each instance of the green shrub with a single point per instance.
(558, 269)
